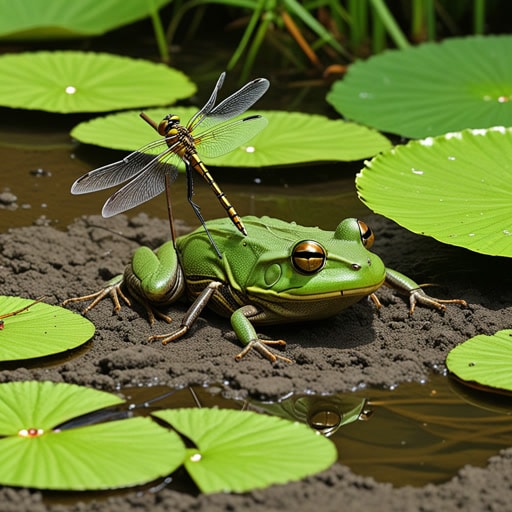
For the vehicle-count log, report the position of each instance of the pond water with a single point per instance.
(414, 434)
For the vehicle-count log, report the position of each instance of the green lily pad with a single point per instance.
(432, 88)
(242, 450)
(455, 188)
(40, 19)
(101, 456)
(71, 81)
(485, 360)
(40, 330)
(289, 138)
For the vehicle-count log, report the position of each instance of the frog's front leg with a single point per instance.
(416, 293)
(239, 321)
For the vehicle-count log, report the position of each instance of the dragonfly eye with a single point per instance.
(167, 124)
(308, 257)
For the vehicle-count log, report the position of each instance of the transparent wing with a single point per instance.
(225, 138)
(232, 106)
(115, 173)
(142, 188)
(199, 116)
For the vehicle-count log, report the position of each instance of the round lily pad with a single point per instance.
(242, 450)
(485, 360)
(289, 138)
(455, 188)
(432, 88)
(100, 456)
(40, 330)
(69, 81)
(39, 19)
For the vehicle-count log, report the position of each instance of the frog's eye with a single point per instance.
(308, 257)
(367, 236)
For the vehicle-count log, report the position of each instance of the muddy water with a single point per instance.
(415, 434)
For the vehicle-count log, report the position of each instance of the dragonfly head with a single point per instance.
(168, 123)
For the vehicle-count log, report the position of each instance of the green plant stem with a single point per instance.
(249, 30)
(390, 23)
(479, 16)
(159, 32)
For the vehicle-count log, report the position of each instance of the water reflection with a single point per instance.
(414, 435)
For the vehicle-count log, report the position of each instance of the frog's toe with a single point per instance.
(418, 296)
(112, 289)
(261, 346)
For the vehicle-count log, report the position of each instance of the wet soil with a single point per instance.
(360, 347)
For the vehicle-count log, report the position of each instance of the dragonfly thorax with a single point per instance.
(167, 124)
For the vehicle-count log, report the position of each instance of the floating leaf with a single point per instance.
(39, 331)
(242, 450)
(485, 360)
(432, 88)
(87, 82)
(290, 137)
(40, 19)
(102, 456)
(455, 188)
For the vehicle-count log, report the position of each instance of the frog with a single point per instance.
(280, 273)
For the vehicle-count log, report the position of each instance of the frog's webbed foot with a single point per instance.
(261, 346)
(112, 289)
(418, 296)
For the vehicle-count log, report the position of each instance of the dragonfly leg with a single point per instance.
(197, 210)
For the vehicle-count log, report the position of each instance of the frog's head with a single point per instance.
(326, 265)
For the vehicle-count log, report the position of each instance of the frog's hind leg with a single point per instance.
(112, 289)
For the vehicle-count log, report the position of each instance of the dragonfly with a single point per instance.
(213, 131)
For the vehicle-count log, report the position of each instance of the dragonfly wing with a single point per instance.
(226, 138)
(196, 119)
(237, 103)
(142, 188)
(115, 173)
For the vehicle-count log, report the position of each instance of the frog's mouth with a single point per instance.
(301, 293)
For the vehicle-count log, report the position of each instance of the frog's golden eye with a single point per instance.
(367, 236)
(308, 257)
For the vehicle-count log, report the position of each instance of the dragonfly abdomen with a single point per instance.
(196, 163)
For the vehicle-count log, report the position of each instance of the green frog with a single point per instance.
(282, 272)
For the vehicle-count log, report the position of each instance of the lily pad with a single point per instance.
(102, 456)
(40, 330)
(455, 188)
(432, 88)
(68, 81)
(484, 360)
(40, 19)
(289, 138)
(242, 450)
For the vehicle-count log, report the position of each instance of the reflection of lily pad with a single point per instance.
(41, 330)
(485, 360)
(242, 450)
(432, 88)
(87, 82)
(455, 188)
(290, 137)
(102, 456)
(40, 19)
